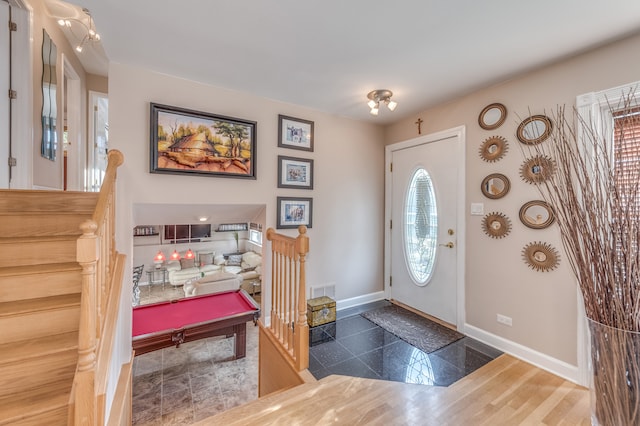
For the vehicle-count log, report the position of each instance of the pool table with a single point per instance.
(170, 323)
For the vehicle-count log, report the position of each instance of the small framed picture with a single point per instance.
(295, 172)
(295, 133)
(294, 211)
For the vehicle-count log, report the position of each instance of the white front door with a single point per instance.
(425, 233)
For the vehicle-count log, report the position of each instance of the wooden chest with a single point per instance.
(320, 310)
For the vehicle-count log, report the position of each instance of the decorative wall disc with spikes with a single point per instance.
(493, 148)
(496, 225)
(537, 169)
(540, 256)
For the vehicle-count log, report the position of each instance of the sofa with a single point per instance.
(212, 283)
(179, 271)
(247, 266)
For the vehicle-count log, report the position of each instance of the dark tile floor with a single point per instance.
(355, 346)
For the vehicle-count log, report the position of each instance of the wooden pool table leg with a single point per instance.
(241, 340)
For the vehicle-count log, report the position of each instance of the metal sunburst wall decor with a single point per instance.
(493, 148)
(537, 169)
(496, 225)
(540, 256)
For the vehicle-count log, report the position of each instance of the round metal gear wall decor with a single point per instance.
(496, 225)
(540, 256)
(493, 148)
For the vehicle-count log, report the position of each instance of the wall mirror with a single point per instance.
(49, 107)
(495, 186)
(540, 256)
(493, 148)
(534, 129)
(536, 214)
(496, 225)
(492, 116)
(537, 169)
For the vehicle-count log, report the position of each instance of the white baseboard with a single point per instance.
(359, 300)
(553, 365)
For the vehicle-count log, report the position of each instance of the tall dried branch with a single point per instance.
(596, 200)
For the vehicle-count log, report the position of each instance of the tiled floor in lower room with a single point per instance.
(180, 386)
(355, 346)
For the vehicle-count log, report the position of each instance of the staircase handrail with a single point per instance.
(98, 258)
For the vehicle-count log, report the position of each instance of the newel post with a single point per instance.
(87, 256)
(302, 328)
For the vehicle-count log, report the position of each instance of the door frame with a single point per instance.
(460, 134)
(72, 114)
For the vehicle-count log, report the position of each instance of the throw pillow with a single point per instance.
(206, 259)
(234, 260)
(218, 260)
(187, 263)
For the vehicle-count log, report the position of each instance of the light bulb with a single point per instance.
(392, 105)
(372, 104)
(79, 48)
(374, 111)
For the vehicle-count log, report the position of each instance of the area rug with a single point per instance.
(424, 334)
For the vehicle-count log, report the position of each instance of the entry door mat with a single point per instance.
(424, 334)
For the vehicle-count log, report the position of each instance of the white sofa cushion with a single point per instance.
(251, 260)
(212, 283)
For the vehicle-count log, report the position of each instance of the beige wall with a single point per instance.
(47, 173)
(347, 235)
(542, 304)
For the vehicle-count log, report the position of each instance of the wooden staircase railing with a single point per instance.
(102, 276)
(284, 353)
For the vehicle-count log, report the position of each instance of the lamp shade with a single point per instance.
(175, 255)
(159, 257)
(189, 254)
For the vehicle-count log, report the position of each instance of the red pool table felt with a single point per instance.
(167, 318)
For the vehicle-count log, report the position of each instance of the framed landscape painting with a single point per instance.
(295, 172)
(295, 133)
(193, 142)
(294, 211)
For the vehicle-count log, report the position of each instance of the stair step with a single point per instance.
(33, 348)
(35, 369)
(33, 201)
(37, 251)
(37, 318)
(36, 281)
(42, 224)
(44, 405)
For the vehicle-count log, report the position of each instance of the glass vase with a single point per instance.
(615, 375)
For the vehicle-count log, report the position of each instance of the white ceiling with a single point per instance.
(327, 55)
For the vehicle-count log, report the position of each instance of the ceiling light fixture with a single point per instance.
(88, 35)
(377, 96)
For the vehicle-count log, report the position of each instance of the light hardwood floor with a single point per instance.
(506, 391)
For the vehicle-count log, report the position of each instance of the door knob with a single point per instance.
(449, 244)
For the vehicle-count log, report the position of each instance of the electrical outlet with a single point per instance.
(502, 319)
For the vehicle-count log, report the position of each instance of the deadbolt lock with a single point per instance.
(450, 232)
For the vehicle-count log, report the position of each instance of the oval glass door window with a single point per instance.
(420, 227)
